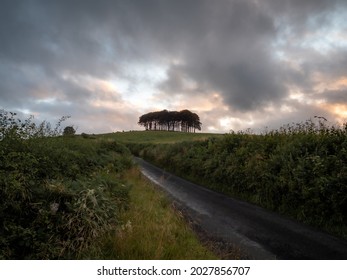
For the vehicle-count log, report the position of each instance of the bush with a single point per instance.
(69, 131)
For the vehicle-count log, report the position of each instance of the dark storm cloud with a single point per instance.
(225, 46)
(35, 32)
(233, 55)
(237, 53)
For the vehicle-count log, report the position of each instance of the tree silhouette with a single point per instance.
(184, 120)
(69, 130)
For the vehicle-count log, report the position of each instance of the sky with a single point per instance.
(238, 64)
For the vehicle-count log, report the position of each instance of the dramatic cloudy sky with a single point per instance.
(238, 64)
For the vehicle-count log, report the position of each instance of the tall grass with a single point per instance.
(299, 170)
(150, 228)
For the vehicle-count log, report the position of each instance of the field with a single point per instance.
(156, 137)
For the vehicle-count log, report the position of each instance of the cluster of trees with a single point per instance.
(184, 120)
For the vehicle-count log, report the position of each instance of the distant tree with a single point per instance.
(69, 130)
(171, 121)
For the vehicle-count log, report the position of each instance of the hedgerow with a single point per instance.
(299, 170)
(57, 194)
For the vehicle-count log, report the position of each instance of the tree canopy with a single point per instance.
(184, 120)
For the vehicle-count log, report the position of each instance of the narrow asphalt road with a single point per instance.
(259, 233)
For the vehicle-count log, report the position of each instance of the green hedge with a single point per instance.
(299, 171)
(57, 194)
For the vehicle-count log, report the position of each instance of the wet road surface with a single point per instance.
(259, 233)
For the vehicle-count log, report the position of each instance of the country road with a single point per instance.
(259, 233)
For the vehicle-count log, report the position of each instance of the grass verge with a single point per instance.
(151, 228)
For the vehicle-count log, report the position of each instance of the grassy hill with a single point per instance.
(156, 137)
